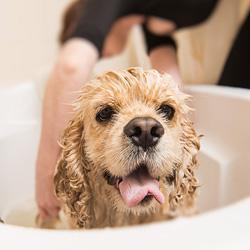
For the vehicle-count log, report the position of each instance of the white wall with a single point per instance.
(28, 37)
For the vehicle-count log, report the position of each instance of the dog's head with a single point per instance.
(131, 141)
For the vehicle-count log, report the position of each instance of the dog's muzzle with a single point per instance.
(139, 187)
(144, 131)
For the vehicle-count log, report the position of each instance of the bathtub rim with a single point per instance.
(223, 228)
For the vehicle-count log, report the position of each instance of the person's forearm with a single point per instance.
(71, 71)
(164, 60)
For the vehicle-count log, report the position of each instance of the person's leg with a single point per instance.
(236, 72)
(164, 60)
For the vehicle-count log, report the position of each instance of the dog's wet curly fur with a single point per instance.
(96, 152)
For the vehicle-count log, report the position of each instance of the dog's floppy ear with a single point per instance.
(71, 178)
(185, 183)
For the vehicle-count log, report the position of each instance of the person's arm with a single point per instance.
(72, 70)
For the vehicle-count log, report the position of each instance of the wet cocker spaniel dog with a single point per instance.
(129, 154)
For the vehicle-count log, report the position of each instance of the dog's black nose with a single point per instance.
(144, 131)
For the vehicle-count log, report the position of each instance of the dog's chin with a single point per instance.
(143, 208)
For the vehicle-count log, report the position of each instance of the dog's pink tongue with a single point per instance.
(135, 187)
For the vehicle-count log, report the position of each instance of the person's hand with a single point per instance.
(48, 204)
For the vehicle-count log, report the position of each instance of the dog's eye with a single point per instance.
(167, 111)
(105, 114)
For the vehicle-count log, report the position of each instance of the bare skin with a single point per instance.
(68, 76)
(164, 59)
(117, 37)
(72, 69)
(160, 26)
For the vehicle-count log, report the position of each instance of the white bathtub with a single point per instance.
(223, 116)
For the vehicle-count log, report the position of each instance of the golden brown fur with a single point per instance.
(91, 148)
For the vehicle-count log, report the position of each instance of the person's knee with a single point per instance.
(159, 26)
